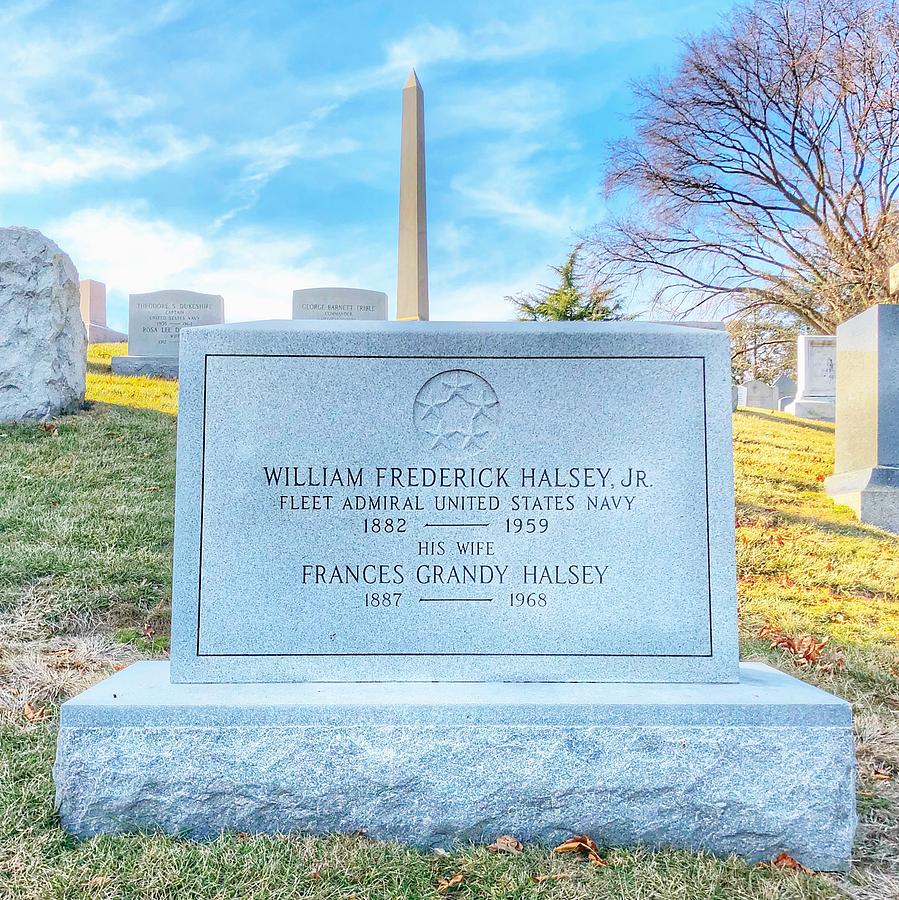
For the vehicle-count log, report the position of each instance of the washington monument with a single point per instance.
(412, 270)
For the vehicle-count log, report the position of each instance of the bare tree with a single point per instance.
(766, 168)
(762, 346)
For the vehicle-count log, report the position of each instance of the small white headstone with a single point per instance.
(155, 320)
(760, 395)
(817, 376)
(339, 303)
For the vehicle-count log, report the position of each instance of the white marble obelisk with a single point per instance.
(412, 271)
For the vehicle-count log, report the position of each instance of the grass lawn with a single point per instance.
(86, 520)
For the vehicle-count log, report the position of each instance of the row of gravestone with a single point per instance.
(814, 397)
(851, 378)
(155, 319)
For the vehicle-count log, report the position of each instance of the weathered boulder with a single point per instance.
(42, 339)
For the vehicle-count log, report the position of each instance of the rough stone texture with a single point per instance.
(42, 338)
(866, 459)
(620, 395)
(755, 768)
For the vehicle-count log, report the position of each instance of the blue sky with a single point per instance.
(249, 149)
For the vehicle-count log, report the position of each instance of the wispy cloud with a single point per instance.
(531, 104)
(256, 269)
(268, 155)
(32, 157)
(505, 183)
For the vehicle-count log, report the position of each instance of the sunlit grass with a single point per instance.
(86, 520)
(135, 392)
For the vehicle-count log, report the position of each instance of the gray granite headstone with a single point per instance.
(784, 386)
(405, 555)
(155, 321)
(760, 395)
(866, 463)
(508, 485)
(337, 304)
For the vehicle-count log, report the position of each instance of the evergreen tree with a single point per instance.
(569, 301)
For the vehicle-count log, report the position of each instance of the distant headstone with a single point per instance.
(760, 395)
(714, 324)
(817, 376)
(93, 312)
(155, 321)
(784, 387)
(866, 459)
(405, 553)
(894, 279)
(42, 337)
(339, 304)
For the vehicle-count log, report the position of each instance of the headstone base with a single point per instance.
(103, 334)
(755, 768)
(822, 410)
(151, 366)
(873, 494)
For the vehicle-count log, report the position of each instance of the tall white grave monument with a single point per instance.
(412, 269)
(817, 376)
(866, 458)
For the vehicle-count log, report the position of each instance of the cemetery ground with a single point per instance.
(86, 520)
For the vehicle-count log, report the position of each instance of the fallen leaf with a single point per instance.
(148, 631)
(49, 427)
(34, 713)
(315, 874)
(97, 881)
(785, 861)
(582, 843)
(447, 884)
(882, 774)
(805, 650)
(505, 843)
(554, 876)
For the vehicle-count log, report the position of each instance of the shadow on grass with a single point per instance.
(845, 529)
(783, 419)
(101, 408)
